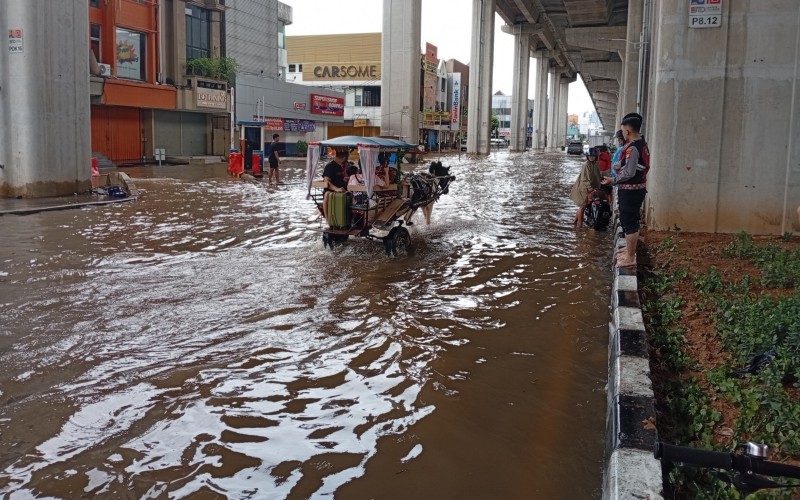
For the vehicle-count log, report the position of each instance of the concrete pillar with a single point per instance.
(562, 116)
(400, 52)
(519, 111)
(629, 83)
(479, 117)
(45, 139)
(552, 109)
(540, 105)
(725, 123)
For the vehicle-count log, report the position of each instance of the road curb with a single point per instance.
(630, 469)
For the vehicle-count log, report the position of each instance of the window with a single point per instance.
(444, 85)
(292, 68)
(359, 95)
(198, 32)
(372, 96)
(131, 50)
(281, 35)
(505, 124)
(94, 3)
(94, 40)
(300, 68)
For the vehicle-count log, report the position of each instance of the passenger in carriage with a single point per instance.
(333, 175)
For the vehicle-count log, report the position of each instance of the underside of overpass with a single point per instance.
(585, 38)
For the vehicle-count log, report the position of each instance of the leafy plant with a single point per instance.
(302, 147)
(741, 247)
(219, 68)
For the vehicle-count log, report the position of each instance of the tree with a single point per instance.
(495, 125)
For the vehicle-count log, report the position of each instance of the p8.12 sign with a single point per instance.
(705, 13)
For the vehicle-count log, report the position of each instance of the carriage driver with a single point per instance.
(334, 178)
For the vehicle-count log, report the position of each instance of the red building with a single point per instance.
(142, 97)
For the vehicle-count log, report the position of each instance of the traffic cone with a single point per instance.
(95, 167)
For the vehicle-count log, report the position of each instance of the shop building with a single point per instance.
(143, 95)
(435, 132)
(349, 64)
(502, 108)
(267, 100)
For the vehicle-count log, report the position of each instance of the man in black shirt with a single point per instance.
(334, 178)
(274, 159)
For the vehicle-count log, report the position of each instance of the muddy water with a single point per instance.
(202, 341)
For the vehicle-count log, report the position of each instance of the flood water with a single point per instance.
(201, 342)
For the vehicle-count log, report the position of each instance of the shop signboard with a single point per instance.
(360, 122)
(705, 13)
(273, 123)
(290, 125)
(338, 71)
(327, 105)
(211, 98)
(455, 105)
(299, 105)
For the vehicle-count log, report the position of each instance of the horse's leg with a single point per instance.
(426, 211)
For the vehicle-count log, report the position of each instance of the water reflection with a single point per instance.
(202, 340)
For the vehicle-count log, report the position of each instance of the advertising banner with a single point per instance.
(298, 125)
(327, 105)
(273, 123)
(129, 62)
(455, 105)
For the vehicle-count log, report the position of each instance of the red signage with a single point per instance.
(327, 105)
(299, 105)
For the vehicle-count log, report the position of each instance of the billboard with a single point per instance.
(327, 105)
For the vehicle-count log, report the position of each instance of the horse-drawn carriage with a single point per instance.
(374, 211)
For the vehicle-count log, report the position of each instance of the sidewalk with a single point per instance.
(27, 206)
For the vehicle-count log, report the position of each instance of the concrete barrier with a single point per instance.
(630, 469)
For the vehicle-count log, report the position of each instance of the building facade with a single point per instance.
(349, 64)
(502, 108)
(267, 100)
(145, 94)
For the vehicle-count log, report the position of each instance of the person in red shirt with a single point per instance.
(604, 160)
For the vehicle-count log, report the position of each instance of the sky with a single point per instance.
(445, 23)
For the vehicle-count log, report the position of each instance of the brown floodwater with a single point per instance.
(201, 342)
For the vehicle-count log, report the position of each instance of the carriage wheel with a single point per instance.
(399, 240)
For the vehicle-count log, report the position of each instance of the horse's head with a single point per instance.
(443, 174)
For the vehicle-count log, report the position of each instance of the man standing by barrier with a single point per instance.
(274, 159)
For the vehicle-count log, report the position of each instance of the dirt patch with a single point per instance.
(697, 253)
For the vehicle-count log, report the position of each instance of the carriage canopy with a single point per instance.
(368, 150)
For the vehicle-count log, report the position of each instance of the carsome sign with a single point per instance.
(360, 71)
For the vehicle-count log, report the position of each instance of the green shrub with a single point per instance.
(219, 68)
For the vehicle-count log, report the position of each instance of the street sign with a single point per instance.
(705, 13)
(161, 155)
